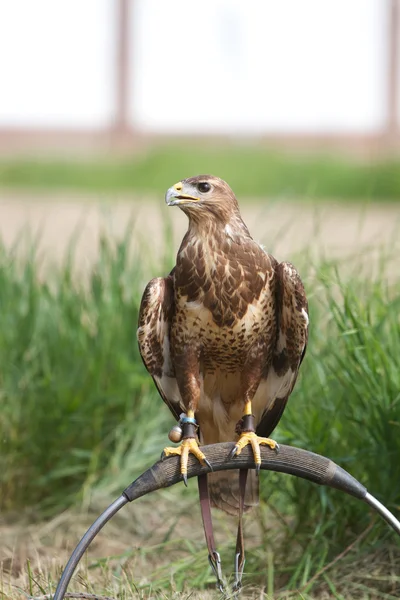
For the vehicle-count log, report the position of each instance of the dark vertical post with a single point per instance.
(121, 125)
(392, 126)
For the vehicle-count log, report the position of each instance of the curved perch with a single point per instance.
(290, 460)
(293, 461)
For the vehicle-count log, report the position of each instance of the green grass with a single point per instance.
(250, 170)
(79, 416)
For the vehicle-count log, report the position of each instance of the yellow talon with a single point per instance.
(249, 437)
(188, 446)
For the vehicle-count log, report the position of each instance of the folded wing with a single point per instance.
(291, 343)
(153, 334)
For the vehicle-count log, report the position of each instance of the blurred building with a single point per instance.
(96, 73)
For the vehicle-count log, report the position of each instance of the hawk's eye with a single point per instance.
(203, 187)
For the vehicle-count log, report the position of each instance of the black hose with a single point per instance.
(85, 542)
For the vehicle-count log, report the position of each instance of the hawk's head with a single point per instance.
(203, 196)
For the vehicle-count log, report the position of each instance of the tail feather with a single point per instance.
(224, 491)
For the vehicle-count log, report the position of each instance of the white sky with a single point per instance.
(56, 62)
(259, 65)
(213, 65)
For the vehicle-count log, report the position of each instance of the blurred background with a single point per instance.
(104, 104)
(114, 100)
(110, 73)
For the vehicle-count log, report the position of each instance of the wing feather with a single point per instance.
(153, 334)
(291, 343)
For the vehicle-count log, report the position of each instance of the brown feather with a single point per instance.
(229, 324)
(225, 491)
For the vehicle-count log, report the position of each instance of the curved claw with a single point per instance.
(209, 465)
(277, 449)
(250, 437)
(188, 446)
(233, 452)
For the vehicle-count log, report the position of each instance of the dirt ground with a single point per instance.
(284, 227)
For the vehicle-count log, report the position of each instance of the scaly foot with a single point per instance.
(188, 446)
(246, 429)
(250, 437)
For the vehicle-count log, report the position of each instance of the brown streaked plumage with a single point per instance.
(226, 329)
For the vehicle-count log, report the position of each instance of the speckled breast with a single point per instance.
(224, 298)
(222, 337)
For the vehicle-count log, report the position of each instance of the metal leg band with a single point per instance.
(239, 567)
(215, 562)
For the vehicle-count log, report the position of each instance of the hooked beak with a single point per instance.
(176, 196)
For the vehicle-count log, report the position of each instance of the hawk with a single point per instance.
(223, 335)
